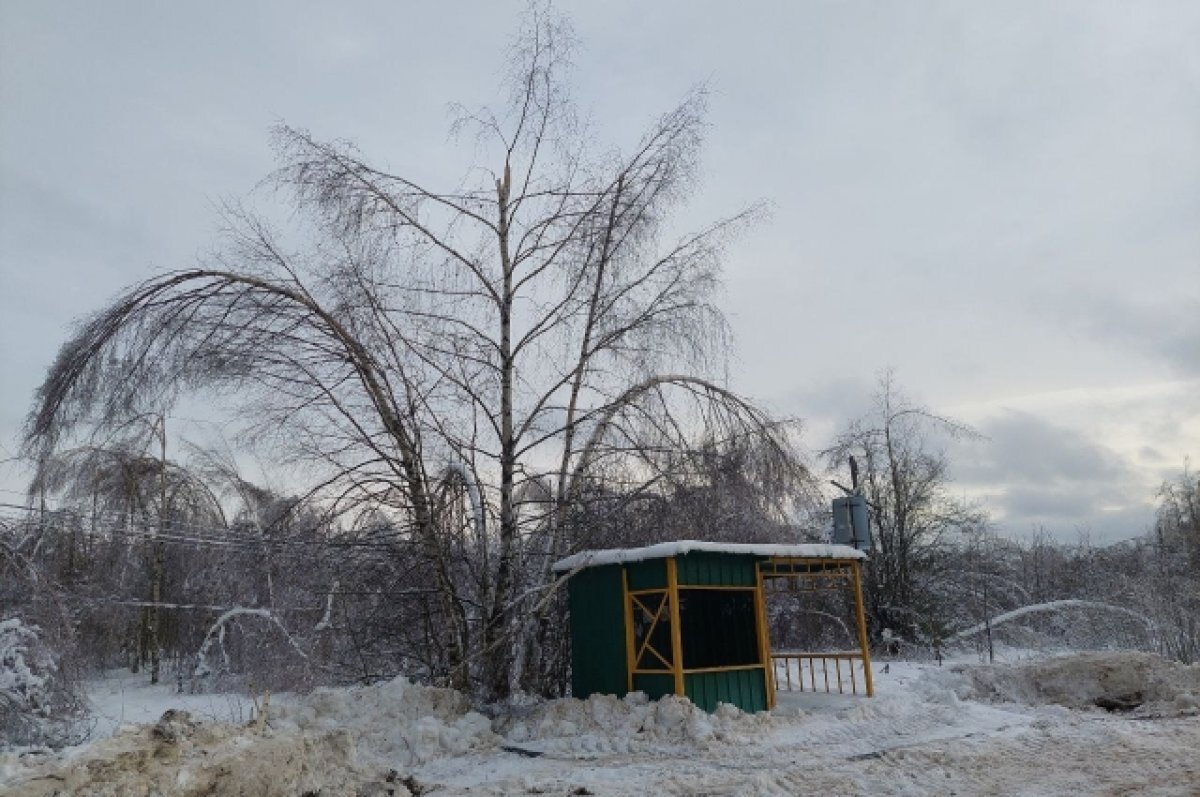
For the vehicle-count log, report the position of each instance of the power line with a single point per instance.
(217, 537)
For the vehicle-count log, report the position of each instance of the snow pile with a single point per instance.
(332, 742)
(394, 721)
(925, 732)
(609, 724)
(1116, 681)
(179, 756)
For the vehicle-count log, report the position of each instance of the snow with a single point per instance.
(1025, 727)
(120, 700)
(37, 706)
(20, 684)
(1085, 680)
(667, 550)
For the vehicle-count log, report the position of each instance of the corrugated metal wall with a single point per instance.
(701, 568)
(598, 661)
(742, 688)
(647, 575)
(655, 686)
(597, 631)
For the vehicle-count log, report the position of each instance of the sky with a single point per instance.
(1000, 202)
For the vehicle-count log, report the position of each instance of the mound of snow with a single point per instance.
(331, 742)
(182, 757)
(1110, 680)
(607, 724)
(395, 720)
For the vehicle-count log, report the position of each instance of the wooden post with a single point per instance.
(676, 637)
(630, 659)
(862, 628)
(764, 637)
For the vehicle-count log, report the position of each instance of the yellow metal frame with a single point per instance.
(838, 572)
(764, 638)
(634, 652)
(862, 630)
(676, 638)
(670, 605)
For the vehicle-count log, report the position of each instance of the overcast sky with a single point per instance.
(1000, 201)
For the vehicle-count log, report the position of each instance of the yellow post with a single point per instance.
(676, 638)
(764, 637)
(630, 661)
(862, 628)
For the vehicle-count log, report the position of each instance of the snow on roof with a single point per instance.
(666, 550)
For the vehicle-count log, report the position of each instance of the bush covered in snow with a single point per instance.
(37, 706)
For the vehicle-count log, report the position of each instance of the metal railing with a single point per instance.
(820, 672)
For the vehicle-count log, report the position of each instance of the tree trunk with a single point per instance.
(498, 657)
(156, 568)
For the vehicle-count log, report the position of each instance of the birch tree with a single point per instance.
(508, 340)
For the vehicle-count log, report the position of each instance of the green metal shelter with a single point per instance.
(689, 618)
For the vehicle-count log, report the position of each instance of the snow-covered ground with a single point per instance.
(120, 699)
(1030, 727)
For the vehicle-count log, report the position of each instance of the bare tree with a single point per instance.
(1178, 524)
(1175, 577)
(121, 482)
(503, 342)
(905, 478)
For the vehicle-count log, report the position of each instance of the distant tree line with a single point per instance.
(258, 590)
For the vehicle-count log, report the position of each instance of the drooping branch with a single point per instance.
(202, 328)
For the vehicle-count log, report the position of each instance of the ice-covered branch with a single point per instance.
(1053, 606)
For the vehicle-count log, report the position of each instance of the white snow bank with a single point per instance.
(334, 741)
(119, 698)
(667, 550)
(925, 732)
(609, 724)
(395, 721)
(1113, 680)
(179, 756)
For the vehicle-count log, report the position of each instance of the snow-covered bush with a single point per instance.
(37, 706)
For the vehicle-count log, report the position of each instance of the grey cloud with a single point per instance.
(1039, 474)
(1168, 329)
(1151, 455)
(840, 398)
(1022, 448)
(936, 168)
(1035, 502)
(1060, 506)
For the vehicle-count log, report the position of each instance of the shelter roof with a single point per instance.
(667, 550)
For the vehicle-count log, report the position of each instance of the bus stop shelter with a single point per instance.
(691, 619)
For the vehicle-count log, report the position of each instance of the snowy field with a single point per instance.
(1029, 727)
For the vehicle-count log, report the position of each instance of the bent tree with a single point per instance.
(469, 362)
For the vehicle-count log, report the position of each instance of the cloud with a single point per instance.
(1022, 448)
(1031, 472)
(996, 200)
(839, 398)
(1167, 329)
